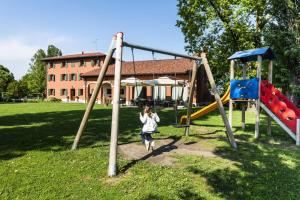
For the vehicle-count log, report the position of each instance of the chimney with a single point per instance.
(82, 52)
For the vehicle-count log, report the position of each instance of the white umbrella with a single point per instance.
(167, 81)
(131, 81)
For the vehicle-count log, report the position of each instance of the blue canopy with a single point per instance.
(251, 55)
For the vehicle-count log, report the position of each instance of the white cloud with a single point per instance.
(16, 52)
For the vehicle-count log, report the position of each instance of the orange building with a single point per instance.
(72, 78)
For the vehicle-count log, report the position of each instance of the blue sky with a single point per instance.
(75, 26)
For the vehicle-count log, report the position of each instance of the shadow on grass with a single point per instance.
(55, 131)
(162, 149)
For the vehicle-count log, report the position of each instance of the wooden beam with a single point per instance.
(258, 74)
(95, 93)
(270, 78)
(190, 98)
(112, 166)
(232, 63)
(243, 105)
(218, 100)
(298, 133)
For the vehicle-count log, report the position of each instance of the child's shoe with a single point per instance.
(147, 145)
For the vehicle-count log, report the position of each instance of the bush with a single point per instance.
(53, 99)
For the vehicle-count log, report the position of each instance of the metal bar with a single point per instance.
(112, 166)
(95, 94)
(270, 77)
(298, 132)
(219, 102)
(190, 100)
(232, 63)
(136, 46)
(258, 74)
(243, 105)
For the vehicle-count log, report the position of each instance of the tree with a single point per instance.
(5, 78)
(13, 89)
(37, 71)
(283, 35)
(222, 27)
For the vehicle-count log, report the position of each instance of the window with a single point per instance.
(82, 63)
(51, 92)
(72, 64)
(51, 77)
(72, 77)
(63, 77)
(50, 65)
(122, 91)
(64, 64)
(108, 91)
(79, 77)
(80, 92)
(93, 63)
(63, 92)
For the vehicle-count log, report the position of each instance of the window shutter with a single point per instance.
(66, 77)
(61, 92)
(78, 76)
(48, 65)
(54, 92)
(53, 65)
(61, 77)
(54, 78)
(49, 92)
(75, 77)
(66, 92)
(66, 64)
(92, 63)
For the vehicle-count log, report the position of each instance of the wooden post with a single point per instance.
(298, 133)
(218, 100)
(259, 60)
(232, 63)
(95, 94)
(112, 167)
(270, 77)
(243, 105)
(190, 98)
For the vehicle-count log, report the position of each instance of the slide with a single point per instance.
(207, 109)
(279, 107)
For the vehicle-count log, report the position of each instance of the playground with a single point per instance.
(38, 164)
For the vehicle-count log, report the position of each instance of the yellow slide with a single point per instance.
(207, 109)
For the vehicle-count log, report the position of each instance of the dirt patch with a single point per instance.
(164, 152)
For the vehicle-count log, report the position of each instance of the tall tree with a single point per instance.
(5, 78)
(221, 27)
(283, 34)
(37, 71)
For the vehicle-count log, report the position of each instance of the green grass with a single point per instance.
(36, 163)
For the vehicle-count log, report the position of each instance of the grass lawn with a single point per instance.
(36, 163)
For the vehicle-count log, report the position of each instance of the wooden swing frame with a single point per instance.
(117, 45)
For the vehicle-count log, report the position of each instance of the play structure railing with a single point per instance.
(280, 105)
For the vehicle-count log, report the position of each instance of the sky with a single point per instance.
(76, 26)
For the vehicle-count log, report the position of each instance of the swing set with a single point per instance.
(117, 46)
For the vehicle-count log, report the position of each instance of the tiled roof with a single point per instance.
(158, 67)
(75, 56)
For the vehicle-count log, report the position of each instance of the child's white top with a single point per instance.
(149, 123)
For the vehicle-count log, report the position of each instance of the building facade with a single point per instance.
(72, 78)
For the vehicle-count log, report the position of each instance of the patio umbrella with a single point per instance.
(131, 81)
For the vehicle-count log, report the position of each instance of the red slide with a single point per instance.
(279, 104)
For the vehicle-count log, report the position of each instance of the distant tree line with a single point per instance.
(222, 27)
(32, 83)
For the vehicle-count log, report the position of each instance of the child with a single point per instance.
(149, 121)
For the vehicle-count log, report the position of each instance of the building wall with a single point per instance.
(87, 84)
(71, 86)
